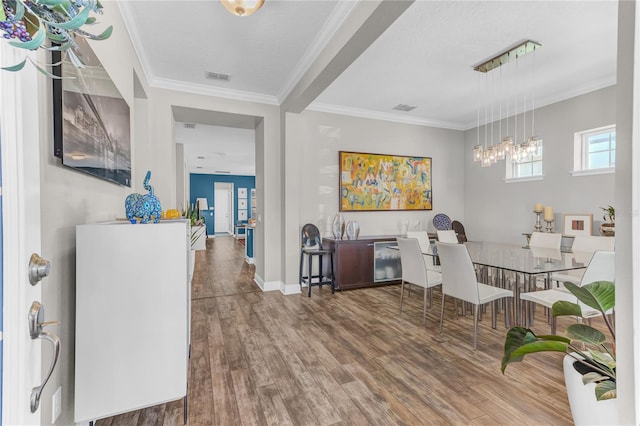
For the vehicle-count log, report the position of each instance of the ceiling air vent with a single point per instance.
(403, 107)
(189, 126)
(223, 171)
(217, 76)
(200, 158)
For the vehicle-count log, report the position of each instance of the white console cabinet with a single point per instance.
(132, 316)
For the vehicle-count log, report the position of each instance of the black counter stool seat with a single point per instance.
(311, 248)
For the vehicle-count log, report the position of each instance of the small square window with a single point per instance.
(595, 149)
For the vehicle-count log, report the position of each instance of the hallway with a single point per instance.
(351, 358)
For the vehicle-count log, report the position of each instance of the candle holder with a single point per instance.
(538, 226)
(549, 225)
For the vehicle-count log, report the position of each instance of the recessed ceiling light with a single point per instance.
(403, 107)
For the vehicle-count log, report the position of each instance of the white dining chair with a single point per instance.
(426, 248)
(545, 241)
(448, 236)
(601, 268)
(583, 248)
(459, 280)
(414, 271)
(550, 240)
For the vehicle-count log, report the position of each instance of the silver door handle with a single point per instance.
(36, 323)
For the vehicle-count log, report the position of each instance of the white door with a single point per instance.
(19, 144)
(222, 208)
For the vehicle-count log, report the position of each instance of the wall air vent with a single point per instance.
(403, 107)
(189, 126)
(200, 158)
(217, 76)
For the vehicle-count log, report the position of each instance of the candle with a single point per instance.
(538, 207)
(548, 213)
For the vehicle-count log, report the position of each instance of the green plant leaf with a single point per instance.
(3, 16)
(50, 2)
(603, 358)
(91, 21)
(599, 295)
(606, 390)
(19, 12)
(593, 377)
(103, 36)
(585, 333)
(74, 23)
(562, 308)
(36, 41)
(45, 72)
(521, 341)
(16, 67)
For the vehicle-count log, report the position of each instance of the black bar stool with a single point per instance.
(312, 247)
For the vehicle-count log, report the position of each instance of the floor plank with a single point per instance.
(350, 358)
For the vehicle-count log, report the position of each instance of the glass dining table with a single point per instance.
(522, 265)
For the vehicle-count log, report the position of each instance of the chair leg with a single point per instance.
(424, 308)
(455, 306)
(310, 275)
(553, 325)
(494, 314)
(320, 271)
(401, 294)
(475, 327)
(442, 312)
(301, 264)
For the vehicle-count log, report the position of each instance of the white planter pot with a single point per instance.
(585, 408)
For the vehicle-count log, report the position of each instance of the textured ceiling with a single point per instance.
(424, 59)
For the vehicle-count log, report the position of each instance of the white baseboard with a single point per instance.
(286, 289)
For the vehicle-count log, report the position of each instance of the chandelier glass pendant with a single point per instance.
(493, 99)
(242, 7)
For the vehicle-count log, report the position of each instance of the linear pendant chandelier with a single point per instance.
(506, 146)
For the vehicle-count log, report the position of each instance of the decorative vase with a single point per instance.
(338, 226)
(608, 229)
(585, 408)
(353, 230)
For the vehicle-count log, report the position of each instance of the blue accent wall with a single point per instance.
(202, 186)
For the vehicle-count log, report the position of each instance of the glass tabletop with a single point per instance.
(513, 257)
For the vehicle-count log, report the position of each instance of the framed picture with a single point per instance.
(242, 192)
(578, 224)
(242, 203)
(384, 182)
(242, 215)
(91, 121)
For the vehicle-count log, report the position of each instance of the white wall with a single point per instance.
(315, 138)
(69, 198)
(499, 211)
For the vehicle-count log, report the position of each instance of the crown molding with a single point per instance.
(375, 115)
(202, 89)
(337, 17)
(132, 29)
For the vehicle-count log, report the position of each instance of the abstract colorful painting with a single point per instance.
(380, 182)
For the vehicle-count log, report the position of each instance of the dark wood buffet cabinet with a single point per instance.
(364, 262)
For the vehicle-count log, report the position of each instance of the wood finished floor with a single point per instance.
(350, 358)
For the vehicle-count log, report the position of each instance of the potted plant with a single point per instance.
(608, 228)
(590, 360)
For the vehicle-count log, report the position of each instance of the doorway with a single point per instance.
(223, 207)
